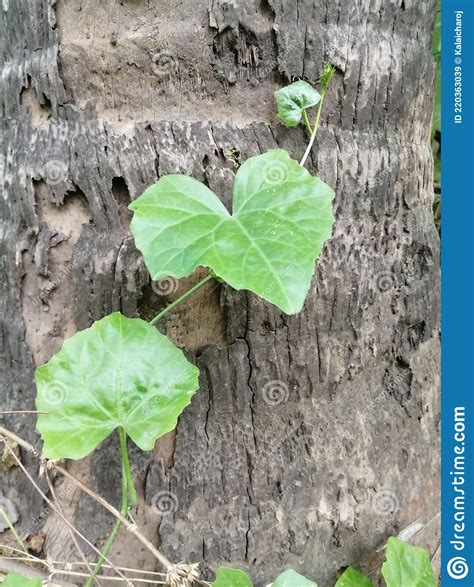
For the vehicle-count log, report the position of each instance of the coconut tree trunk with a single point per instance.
(313, 437)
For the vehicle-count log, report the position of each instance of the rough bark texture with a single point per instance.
(313, 437)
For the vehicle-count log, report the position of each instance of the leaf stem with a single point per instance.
(315, 129)
(127, 470)
(307, 123)
(129, 499)
(113, 535)
(6, 435)
(21, 442)
(198, 285)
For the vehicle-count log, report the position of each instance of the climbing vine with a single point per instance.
(123, 375)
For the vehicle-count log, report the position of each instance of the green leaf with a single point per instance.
(291, 578)
(14, 580)
(281, 219)
(231, 578)
(119, 372)
(293, 99)
(352, 578)
(407, 565)
(326, 76)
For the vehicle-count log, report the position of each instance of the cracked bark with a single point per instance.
(100, 99)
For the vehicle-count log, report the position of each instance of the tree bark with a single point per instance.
(313, 437)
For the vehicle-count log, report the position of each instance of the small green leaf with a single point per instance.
(14, 580)
(281, 219)
(231, 578)
(291, 578)
(293, 99)
(407, 565)
(352, 578)
(326, 76)
(119, 372)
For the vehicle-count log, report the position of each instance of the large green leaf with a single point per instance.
(14, 580)
(293, 99)
(291, 578)
(281, 219)
(407, 565)
(352, 578)
(119, 372)
(231, 578)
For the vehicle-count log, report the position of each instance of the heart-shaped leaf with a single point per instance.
(281, 219)
(120, 372)
(291, 578)
(231, 578)
(407, 565)
(293, 99)
(14, 580)
(352, 578)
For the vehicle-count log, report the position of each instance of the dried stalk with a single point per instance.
(49, 502)
(130, 527)
(71, 533)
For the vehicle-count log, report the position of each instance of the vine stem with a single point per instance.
(110, 508)
(113, 535)
(315, 129)
(198, 285)
(307, 123)
(21, 442)
(127, 472)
